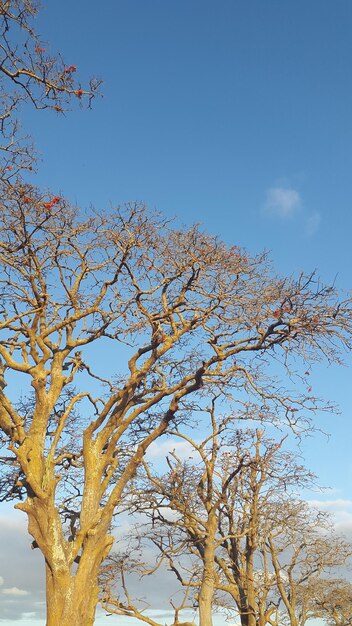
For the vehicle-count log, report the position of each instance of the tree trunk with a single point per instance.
(293, 618)
(251, 601)
(246, 616)
(71, 578)
(72, 593)
(71, 599)
(206, 602)
(206, 591)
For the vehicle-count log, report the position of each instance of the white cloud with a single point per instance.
(159, 450)
(282, 202)
(1, 580)
(15, 591)
(21, 593)
(331, 505)
(285, 203)
(341, 512)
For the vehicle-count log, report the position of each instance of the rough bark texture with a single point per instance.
(70, 600)
(71, 580)
(206, 591)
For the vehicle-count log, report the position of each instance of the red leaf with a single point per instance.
(70, 69)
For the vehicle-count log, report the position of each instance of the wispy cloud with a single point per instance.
(312, 223)
(14, 591)
(332, 505)
(341, 511)
(283, 202)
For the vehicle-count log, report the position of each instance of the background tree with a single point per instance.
(270, 476)
(303, 549)
(332, 601)
(226, 520)
(218, 500)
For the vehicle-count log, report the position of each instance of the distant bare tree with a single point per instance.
(218, 499)
(303, 549)
(332, 601)
(236, 531)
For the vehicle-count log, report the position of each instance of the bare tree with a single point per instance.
(303, 549)
(218, 498)
(29, 73)
(332, 601)
(117, 599)
(271, 475)
(195, 317)
(195, 494)
(236, 532)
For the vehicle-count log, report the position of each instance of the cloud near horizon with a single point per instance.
(14, 591)
(341, 511)
(22, 574)
(332, 505)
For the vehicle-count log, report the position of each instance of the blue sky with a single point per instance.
(236, 114)
(233, 113)
(207, 106)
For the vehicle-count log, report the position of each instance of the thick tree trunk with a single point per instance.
(71, 599)
(72, 593)
(72, 569)
(244, 615)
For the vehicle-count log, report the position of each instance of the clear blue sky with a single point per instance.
(233, 113)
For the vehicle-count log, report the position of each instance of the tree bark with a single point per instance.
(251, 598)
(206, 591)
(71, 599)
(72, 593)
(71, 580)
